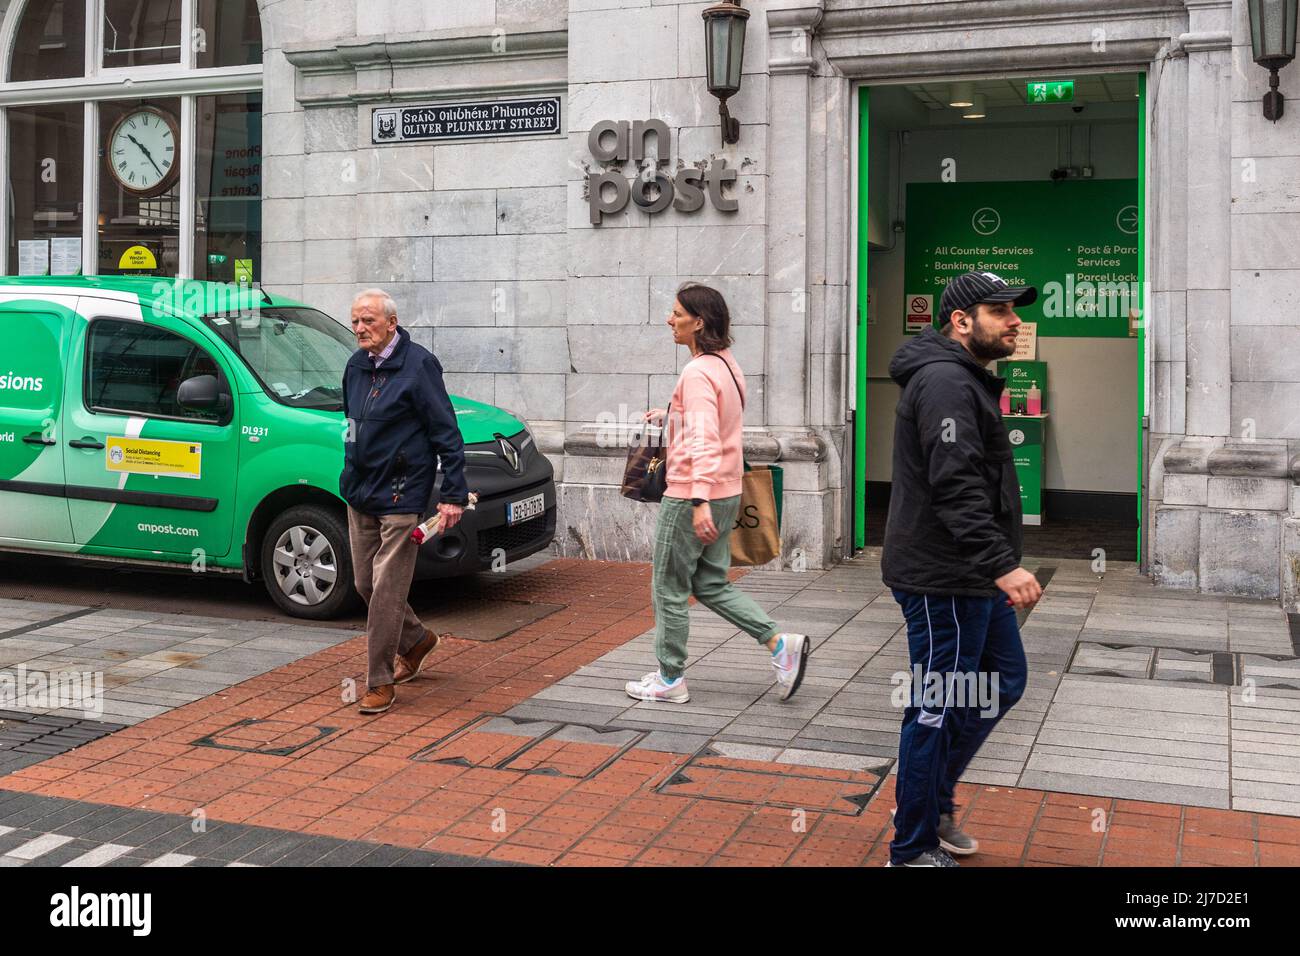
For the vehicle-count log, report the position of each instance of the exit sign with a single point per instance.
(1060, 92)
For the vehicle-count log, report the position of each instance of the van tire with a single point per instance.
(282, 578)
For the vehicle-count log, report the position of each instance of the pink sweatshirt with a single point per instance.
(705, 418)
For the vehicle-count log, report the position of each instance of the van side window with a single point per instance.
(135, 368)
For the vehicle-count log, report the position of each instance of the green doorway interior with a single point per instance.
(1024, 188)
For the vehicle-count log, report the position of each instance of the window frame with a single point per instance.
(99, 85)
(184, 62)
(223, 378)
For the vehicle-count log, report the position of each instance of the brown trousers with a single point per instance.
(383, 561)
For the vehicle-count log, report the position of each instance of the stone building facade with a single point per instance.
(488, 245)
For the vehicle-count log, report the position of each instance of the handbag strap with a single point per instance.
(738, 392)
(734, 381)
(733, 375)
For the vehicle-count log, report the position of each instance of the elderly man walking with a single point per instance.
(400, 425)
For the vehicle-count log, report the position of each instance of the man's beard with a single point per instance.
(989, 347)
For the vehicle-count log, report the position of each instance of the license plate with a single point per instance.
(518, 511)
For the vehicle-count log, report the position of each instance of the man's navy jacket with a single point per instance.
(400, 422)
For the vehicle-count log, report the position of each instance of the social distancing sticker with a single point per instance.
(151, 456)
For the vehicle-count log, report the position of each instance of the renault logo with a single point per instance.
(509, 451)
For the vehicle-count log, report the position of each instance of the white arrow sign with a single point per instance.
(986, 221)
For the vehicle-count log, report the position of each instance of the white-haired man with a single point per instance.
(400, 423)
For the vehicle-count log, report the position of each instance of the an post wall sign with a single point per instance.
(404, 124)
(621, 141)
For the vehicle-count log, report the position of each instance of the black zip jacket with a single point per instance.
(401, 422)
(954, 509)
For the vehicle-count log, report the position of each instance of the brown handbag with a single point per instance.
(645, 476)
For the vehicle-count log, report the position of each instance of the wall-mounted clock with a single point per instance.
(143, 151)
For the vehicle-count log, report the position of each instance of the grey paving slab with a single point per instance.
(833, 761)
(745, 751)
(667, 742)
(586, 714)
(886, 749)
(1125, 788)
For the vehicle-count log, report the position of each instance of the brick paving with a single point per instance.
(462, 767)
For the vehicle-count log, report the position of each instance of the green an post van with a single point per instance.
(183, 423)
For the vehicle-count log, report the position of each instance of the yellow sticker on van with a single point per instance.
(151, 456)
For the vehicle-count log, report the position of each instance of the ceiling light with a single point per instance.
(961, 94)
(976, 109)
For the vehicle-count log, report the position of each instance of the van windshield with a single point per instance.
(297, 354)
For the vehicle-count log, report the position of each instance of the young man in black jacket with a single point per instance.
(401, 424)
(952, 557)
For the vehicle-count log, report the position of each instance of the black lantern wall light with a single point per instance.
(724, 45)
(1272, 40)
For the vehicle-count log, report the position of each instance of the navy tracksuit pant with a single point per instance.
(949, 637)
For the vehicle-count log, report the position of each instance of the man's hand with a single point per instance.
(450, 515)
(1021, 587)
(705, 529)
(655, 416)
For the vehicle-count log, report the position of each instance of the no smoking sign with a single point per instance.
(920, 313)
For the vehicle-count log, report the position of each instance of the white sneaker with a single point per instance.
(654, 687)
(790, 663)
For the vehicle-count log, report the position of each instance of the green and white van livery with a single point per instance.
(177, 423)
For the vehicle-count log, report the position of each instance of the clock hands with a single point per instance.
(145, 151)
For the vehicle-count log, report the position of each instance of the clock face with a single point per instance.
(142, 152)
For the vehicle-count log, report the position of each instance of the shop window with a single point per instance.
(136, 369)
(227, 33)
(228, 188)
(45, 181)
(144, 224)
(139, 192)
(51, 41)
(142, 32)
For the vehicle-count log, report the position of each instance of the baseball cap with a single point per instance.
(976, 287)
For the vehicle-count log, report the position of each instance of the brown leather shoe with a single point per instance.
(377, 699)
(407, 666)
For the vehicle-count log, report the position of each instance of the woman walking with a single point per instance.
(705, 464)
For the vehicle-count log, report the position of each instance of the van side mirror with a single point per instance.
(203, 393)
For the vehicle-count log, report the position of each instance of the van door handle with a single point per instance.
(85, 443)
(36, 438)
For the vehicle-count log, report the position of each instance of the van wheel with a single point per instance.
(307, 564)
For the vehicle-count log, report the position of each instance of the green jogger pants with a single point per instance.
(683, 566)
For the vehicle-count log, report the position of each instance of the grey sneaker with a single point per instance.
(935, 857)
(953, 840)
